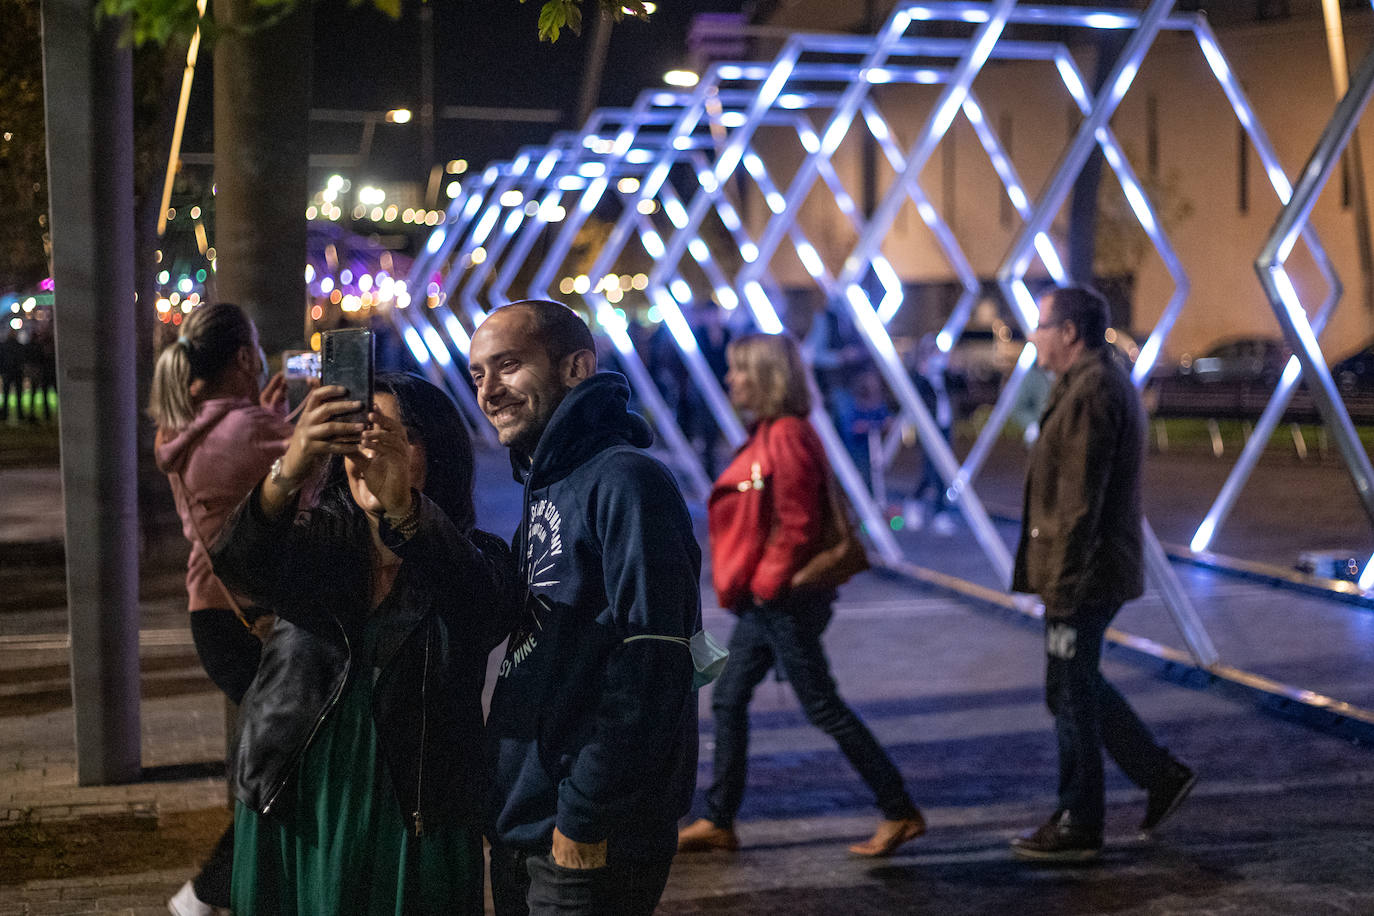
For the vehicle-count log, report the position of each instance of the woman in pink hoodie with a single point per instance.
(219, 431)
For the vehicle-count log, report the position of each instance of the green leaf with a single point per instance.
(552, 17)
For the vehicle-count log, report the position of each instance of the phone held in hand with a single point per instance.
(298, 368)
(347, 361)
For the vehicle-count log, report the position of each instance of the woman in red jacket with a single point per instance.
(766, 518)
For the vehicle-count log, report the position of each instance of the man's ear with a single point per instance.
(578, 367)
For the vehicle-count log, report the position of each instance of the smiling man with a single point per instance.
(1080, 551)
(593, 726)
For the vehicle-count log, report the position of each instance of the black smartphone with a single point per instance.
(347, 361)
(298, 368)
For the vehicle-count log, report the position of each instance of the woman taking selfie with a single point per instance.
(359, 774)
(218, 431)
(767, 517)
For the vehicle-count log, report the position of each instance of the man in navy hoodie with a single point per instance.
(592, 734)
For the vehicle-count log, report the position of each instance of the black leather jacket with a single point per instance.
(450, 598)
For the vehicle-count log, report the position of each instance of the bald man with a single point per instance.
(593, 725)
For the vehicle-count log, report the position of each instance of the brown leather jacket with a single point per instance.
(1080, 530)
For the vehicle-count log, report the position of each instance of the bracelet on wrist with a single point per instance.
(407, 524)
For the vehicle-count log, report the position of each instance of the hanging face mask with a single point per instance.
(708, 656)
(262, 368)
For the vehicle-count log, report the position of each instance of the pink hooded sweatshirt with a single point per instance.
(220, 457)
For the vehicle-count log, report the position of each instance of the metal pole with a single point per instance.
(1176, 599)
(87, 78)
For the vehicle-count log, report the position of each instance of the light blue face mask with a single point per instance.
(708, 656)
(262, 368)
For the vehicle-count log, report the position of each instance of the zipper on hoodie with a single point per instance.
(424, 728)
(319, 720)
(521, 559)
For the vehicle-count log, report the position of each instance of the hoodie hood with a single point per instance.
(172, 453)
(592, 417)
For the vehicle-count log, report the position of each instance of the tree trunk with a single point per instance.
(597, 43)
(262, 159)
(1083, 203)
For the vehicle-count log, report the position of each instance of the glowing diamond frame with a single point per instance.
(482, 214)
(1300, 333)
(956, 95)
(991, 18)
(879, 48)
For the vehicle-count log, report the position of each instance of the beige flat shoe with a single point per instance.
(888, 836)
(702, 836)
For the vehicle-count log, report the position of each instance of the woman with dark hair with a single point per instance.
(766, 521)
(359, 774)
(218, 431)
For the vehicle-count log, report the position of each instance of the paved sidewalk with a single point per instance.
(32, 508)
(1280, 822)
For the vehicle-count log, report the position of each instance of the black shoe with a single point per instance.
(1164, 799)
(1059, 840)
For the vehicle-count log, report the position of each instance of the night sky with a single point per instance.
(486, 53)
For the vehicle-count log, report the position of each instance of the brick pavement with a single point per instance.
(183, 747)
(1279, 824)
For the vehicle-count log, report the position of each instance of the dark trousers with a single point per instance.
(44, 386)
(931, 485)
(1089, 714)
(229, 653)
(12, 383)
(228, 650)
(787, 633)
(526, 884)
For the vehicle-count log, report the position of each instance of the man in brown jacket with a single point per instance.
(1080, 551)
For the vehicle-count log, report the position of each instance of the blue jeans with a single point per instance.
(787, 633)
(1089, 714)
(931, 484)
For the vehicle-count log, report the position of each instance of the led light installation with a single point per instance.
(1273, 274)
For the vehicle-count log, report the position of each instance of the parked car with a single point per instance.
(980, 361)
(987, 354)
(1239, 359)
(1355, 373)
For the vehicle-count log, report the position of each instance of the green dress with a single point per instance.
(344, 846)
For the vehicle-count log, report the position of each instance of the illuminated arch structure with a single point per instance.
(1301, 333)
(710, 134)
(522, 201)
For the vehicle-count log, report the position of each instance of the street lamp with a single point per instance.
(398, 116)
(685, 79)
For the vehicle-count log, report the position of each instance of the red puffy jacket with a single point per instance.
(767, 511)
